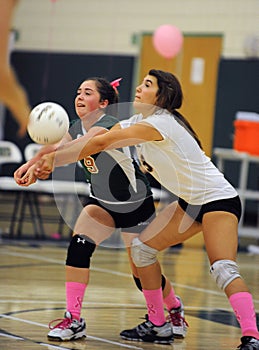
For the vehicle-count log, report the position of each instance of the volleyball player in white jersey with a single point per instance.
(171, 152)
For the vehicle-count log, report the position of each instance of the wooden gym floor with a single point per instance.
(32, 294)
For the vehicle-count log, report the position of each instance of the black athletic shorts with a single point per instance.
(130, 217)
(231, 205)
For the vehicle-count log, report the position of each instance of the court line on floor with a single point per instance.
(14, 337)
(117, 273)
(88, 336)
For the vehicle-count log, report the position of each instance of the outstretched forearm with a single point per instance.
(90, 144)
(83, 147)
(67, 153)
(76, 150)
(42, 151)
(80, 148)
(118, 138)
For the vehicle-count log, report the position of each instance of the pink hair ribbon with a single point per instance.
(115, 84)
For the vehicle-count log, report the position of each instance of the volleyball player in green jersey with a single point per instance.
(125, 182)
(120, 198)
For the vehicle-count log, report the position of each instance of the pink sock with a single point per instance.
(243, 306)
(75, 294)
(170, 301)
(155, 306)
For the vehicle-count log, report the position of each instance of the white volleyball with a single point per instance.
(48, 123)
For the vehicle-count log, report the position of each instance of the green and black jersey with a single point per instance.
(113, 175)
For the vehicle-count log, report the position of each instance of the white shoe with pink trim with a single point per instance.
(67, 329)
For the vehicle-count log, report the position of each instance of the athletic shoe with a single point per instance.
(148, 332)
(249, 343)
(67, 329)
(179, 324)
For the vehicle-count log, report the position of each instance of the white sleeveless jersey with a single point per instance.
(178, 162)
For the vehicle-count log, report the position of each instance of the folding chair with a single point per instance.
(10, 154)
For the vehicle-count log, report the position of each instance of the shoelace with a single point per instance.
(65, 323)
(176, 319)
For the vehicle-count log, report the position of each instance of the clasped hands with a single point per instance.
(28, 173)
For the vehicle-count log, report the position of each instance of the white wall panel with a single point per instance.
(108, 25)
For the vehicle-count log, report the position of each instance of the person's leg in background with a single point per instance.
(12, 95)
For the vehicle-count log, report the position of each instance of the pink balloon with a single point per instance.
(167, 40)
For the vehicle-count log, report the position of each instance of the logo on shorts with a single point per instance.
(143, 223)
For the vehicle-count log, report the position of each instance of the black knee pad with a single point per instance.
(80, 251)
(138, 283)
